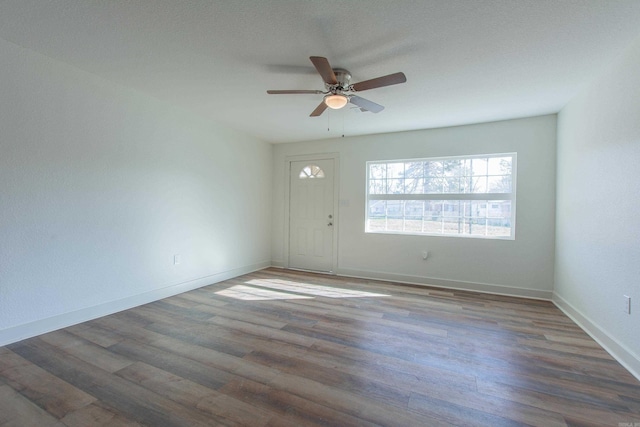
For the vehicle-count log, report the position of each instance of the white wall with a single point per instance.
(598, 208)
(523, 266)
(100, 186)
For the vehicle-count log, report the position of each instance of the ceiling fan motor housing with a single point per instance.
(343, 77)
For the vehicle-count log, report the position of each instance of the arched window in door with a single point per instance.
(311, 171)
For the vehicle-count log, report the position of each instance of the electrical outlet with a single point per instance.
(177, 259)
(627, 304)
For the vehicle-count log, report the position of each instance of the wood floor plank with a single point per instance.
(50, 392)
(541, 345)
(380, 325)
(237, 411)
(201, 332)
(192, 394)
(391, 370)
(565, 405)
(10, 360)
(290, 409)
(369, 386)
(174, 387)
(458, 414)
(133, 401)
(352, 403)
(286, 348)
(285, 311)
(230, 313)
(280, 334)
(17, 410)
(186, 359)
(95, 415)
(412, 340)
(174, 363)
(101, 337)
(86, 351)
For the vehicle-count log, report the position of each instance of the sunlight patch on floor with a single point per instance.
(249, 293)
(310, 289)
(277, 289)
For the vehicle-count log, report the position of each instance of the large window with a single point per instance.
(470, 196)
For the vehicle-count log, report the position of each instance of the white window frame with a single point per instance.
(488, 197)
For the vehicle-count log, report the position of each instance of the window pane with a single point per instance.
(452, 225)
(451, 185)
(433, 209)
(475, 226)
(479, 166)
(465, 208)
(414, 209)
(500, 184)
(498, 227)
(377, 224)
(414, 186)
(433, 169)
(432, 225)
(377, 215)
(500, 166)
(451, 208)
(451, 167)
(395, 186)
(466, 167)
(395, 170)
(433, 185)
(394, 209)
(377, 171)
(477, 209)
(377, 186)
(475, 184)
(414, 169)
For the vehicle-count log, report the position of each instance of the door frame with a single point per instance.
(287, 199)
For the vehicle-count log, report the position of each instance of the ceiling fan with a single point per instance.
(338, 89)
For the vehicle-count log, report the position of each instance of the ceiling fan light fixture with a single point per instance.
(336, 101)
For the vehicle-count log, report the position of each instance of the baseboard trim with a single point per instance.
(617, 350)
(448, 284)
(42, 326)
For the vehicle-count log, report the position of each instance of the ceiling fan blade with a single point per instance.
(324, 69)
(287, 92)
(366, 104)
(319, 110)
(391, 79)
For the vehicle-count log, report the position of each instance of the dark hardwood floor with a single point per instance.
(282, 348)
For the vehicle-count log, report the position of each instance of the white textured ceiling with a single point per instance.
(466, 61)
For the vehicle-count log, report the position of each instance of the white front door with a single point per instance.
(311, 215)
